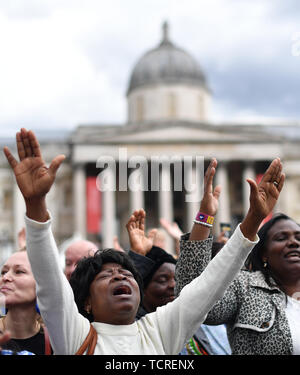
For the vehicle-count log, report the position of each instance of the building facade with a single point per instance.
(155, 160)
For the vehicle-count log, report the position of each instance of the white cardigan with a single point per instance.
(164, 331)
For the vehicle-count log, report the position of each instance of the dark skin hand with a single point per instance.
(33, 177)
(263, 197)
(139, 242)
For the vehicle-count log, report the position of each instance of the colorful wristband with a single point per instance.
(204, 219)
(205, 224)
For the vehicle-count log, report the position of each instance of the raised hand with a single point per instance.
(172, 228)
(210, 201)
(32, 175)
(174, 231)
(263, 197)
(139, 242)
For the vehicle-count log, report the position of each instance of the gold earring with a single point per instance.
(88, 309)
(265, 264)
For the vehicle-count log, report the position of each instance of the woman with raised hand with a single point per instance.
(261, 307)
(109, 286)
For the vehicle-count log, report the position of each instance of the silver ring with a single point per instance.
(275, 183)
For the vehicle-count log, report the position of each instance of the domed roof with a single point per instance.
(166, 64)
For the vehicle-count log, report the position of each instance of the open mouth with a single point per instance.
(171, 297)
(295, 254)
(121, 290)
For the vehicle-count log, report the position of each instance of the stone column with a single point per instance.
(248, 172)
(108, 209)
(19, 211)
(165, 204)
(223, 214)
(195, 180)
(79, 200)
(136, 196)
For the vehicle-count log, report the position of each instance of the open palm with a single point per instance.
(33, 177)
(210, 200)
(139, 242)
(263, 196)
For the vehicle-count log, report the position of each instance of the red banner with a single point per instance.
(93, 206)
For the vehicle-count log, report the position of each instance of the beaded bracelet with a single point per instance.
(201, 223)
(204, 219)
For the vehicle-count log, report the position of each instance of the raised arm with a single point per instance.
(263, 198)
(33, 177)
(209, 203)
(201, 295)
(195, 248)
(194, 258)
(67, 328)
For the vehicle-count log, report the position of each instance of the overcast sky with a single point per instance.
(68, 62)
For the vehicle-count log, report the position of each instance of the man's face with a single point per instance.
(114, 295)
(74, 253)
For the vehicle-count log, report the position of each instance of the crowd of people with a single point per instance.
(234, 295)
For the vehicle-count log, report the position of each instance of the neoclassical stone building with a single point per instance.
(143, 160)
